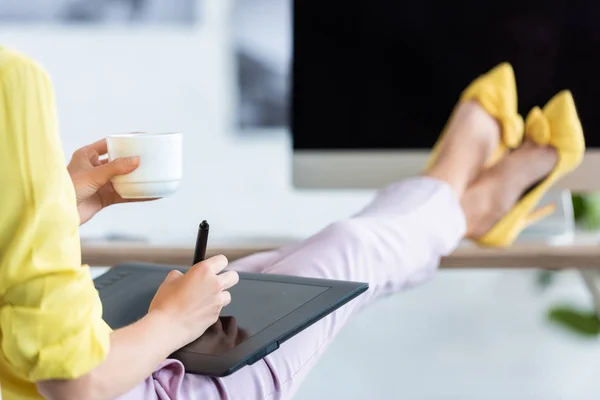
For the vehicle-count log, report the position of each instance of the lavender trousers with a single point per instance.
(394, 243)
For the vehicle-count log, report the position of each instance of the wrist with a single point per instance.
(170, 329)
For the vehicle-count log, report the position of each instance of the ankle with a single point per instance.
(455, 180)
(482, 126)
(534, 162)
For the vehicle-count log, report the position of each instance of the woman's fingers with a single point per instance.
(214, 264)
(101, 175)
(228, 279)
(174, 274)
(100, 147)
(225, 298)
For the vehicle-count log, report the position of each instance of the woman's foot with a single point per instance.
(470, 138)
(499, 188)
(484, 125)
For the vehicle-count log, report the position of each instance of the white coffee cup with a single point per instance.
(161, 163)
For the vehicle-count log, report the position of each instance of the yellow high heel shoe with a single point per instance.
(557, 125)
(496, 92)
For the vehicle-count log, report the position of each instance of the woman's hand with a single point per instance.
(91, 175)
(184, 307)
(193, 301)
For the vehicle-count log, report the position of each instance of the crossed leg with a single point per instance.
(395, 242)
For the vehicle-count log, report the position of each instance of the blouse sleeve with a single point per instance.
(51, 323)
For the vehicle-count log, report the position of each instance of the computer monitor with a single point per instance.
(373, 82)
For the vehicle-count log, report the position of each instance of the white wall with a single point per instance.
(155, 79)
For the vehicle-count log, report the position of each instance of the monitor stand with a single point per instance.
(556, 229)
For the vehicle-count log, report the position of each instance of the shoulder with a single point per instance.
(11, 59)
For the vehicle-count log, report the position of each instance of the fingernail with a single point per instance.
(133, 161)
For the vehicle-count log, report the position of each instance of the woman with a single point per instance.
(53, 340)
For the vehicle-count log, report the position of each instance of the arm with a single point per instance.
(50, 313)
(182, 309)
(135, 351)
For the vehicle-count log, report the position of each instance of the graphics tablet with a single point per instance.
(265, 311)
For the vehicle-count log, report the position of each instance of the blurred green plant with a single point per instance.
(586, 209)
(545, 278)
(585, 323)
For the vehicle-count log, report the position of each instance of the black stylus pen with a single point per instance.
(201, 242)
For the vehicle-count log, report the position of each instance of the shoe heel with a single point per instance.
(539, 214)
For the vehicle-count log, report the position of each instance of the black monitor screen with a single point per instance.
(386, 74)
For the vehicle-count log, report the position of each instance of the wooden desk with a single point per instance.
(581, 255)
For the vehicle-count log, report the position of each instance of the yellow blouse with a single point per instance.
(51, 323)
